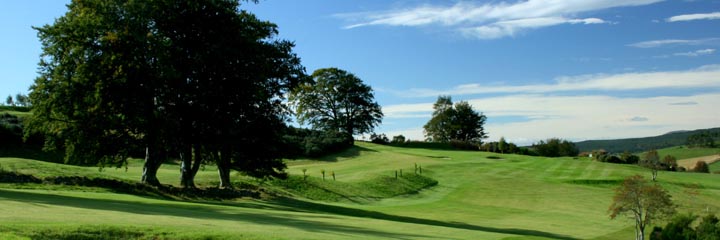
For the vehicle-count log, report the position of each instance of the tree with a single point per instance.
(651, 160)
(671, 162)
(701, 167)
(709, 228)
(21, 100)
(459, 122)
(399, 139)
(9, 101)
(336, 100)
(199, 80)
(502, 145)
(555, 147)
(642, 201)
(703, 139)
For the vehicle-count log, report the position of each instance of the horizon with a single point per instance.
(577, 70)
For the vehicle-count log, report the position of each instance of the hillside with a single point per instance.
(676, 138)
(477, 196)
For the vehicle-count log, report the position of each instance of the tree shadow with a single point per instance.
(324, 208)
(352, 151)
(204, 212)
(30, 152)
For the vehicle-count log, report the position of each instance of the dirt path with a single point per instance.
(689, 163)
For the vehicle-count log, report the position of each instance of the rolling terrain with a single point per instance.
(459, 195)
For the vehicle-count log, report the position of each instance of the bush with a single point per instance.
(463, 145)
(399, 139)
(679, 228)
(379, 139)
(299, 142)
(708, 229)
(701, 167)
(556, 147)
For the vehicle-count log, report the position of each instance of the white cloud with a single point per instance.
(696, 16)
(492, 20)
(585, 117)
(696, 53)
(702, 77)
(665, 42)
(510, 28)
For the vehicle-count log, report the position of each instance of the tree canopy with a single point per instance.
(459, 122)
(642, 201)
(179, 78)
(336, 100)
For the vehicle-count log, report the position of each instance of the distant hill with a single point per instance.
(675, 138)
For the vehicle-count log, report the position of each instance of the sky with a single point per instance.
(572, 69)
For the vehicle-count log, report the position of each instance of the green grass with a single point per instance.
(682, 152)
(477, 196)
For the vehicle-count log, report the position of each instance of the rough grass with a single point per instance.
(515, 197)
(682, 152)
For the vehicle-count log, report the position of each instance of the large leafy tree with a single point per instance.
(337, 100)
(182, 78)
(642, 201)
(459, 122)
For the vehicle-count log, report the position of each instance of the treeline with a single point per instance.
(647, 143)
(198, 81)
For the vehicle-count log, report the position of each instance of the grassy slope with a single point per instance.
(682, 152)
(517, 197)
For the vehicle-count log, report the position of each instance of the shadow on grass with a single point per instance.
(203, 212)
(30, 152)
(323, 208)
(352, 151)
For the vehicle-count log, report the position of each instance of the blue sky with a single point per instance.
(582, 69)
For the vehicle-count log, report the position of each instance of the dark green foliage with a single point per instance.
(679, 228)
(510, 148)
(709, 228)
(644, 144)
(701, 167)
(555, 147)
(300, 142)
(336, 100)
(703, 139)
(464, 145)
(379, 139)
(399, 139)
(459, 122)
(120, 74)
(11, 129)
(624, 158)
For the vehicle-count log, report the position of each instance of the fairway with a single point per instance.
(478, 196)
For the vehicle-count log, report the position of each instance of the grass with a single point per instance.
(477, 196)
(682, 152)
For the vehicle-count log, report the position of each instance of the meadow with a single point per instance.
(458, 195)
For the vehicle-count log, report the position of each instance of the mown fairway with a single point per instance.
(479, 196)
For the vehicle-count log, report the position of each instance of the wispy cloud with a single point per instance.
(702, 77)
(696, 53)
(693, 17)
(583, 117)
(666, 42)
(491, 20)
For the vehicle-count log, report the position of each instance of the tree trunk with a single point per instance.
(153, 160)
(224, 168)
(197, 152)
(187, 177)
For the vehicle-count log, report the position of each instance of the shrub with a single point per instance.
(399, 139)
(679, 228)
(556, 147)
(701, 167)
(708, 229)
(463, 145)
(299, 142)
(379, 139)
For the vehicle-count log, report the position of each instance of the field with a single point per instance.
(477, 196)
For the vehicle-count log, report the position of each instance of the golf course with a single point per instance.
(458, 195)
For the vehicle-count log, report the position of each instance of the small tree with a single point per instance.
(671, 162)
(642, 201)
(9, 101)
(502, 145)
(399, 139)
(652, 161)
(701, 167)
